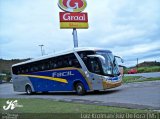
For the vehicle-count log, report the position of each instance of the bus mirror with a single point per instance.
(102, 59)
(119, 58)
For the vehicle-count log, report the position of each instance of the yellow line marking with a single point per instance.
(46, 77)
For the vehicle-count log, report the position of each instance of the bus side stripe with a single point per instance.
(46, 77)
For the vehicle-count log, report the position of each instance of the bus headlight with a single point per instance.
(104, 78)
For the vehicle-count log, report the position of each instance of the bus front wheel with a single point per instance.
(80, 89)
(29, 90)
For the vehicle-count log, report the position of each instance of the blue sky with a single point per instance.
(129, 28)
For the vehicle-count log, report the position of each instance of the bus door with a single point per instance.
(95, 69)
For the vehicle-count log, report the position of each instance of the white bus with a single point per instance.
(80, 70)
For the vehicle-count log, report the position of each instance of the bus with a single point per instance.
(80, 69)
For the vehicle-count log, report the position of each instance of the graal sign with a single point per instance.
(72, 5)
(73, 16)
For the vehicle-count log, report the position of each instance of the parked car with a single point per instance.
(132, 71)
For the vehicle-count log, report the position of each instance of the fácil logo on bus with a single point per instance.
(72, 5)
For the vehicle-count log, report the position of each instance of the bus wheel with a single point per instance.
(80, 89)
(29, 90)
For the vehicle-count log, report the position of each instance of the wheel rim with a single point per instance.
(79, 89)
(29, 90)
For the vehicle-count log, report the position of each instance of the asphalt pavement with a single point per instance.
(146, 75)
(144, 95)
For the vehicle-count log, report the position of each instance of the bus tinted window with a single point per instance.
(63, 61)
(83, 55)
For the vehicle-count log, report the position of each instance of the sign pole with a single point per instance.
(75, 37)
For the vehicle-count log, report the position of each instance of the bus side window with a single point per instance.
(83, 55)
(59, 62)
(40, 66)
(76, 63)
(70, 63)
(26, 70)
(55, 65)
(51, 64)
(18, 72)
(48, 64)
(73, 62)
(43, 67)
(31, 69)
(35, 68)
(65, 62)
(15, 70)
(62, 61)
(94, 65)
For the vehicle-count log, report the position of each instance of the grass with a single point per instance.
(149, 69)
(40, 108)
(50, 106)
(131, 79)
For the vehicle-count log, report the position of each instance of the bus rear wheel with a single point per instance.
(80, 89)
(29, 90)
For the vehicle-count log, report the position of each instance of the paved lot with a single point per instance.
(144, 95)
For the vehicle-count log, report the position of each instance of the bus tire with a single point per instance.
(29, 90)
(80, 89)
(45, 92)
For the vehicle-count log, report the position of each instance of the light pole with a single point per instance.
(137, 64)
(41, 49)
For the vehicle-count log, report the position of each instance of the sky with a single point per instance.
(129, 28)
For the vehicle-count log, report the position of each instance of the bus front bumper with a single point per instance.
(108, 85)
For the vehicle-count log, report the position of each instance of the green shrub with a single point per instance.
(149, 69)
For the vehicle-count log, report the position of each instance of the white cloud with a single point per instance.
(128, 28)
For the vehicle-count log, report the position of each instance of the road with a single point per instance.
(147, 75)
(145, 95)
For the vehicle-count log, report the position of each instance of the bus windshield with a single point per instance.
(110, 66)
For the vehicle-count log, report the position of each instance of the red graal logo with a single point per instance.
(72, 5)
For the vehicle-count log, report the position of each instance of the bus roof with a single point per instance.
(61, 53)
